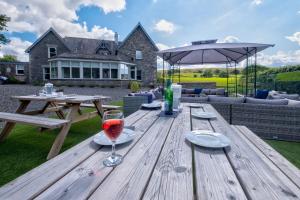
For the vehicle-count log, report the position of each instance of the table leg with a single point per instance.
(98, 106)
(59, 113)
(10, 125)
(60, 138)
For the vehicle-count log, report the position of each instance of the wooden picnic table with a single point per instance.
(160, 164)
(73, 114)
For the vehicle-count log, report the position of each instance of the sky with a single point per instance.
(170, 23)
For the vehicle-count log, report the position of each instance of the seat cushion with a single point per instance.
(267, 101)
(294, 103)
(230, 100)
(197, 90)
(261, 94)
(220, 91)
(206, 91)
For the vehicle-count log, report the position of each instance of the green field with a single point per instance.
(190, 78)
(288, 76)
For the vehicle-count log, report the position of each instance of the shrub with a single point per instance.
(134, 86)
(223, 74)
(207, 73)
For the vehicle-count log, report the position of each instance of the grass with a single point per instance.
(290, 150)
(189, 78)
(26, 147)
(288, 76)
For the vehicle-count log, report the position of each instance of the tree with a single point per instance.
(217, 71)
(223, 74)
(8, 58)
(3, 20)
(207, 73)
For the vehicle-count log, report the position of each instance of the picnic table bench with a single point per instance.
(65, 121)
(160, 164)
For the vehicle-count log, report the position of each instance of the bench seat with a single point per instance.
(90, 105)
(32, 120)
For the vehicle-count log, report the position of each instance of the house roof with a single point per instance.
(86, 48)
(44, 35)
(139, 25)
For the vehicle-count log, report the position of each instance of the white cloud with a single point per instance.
(37, 16)
(298, 12)
(294, 38)
(231, 39)
(279, 59)
(257, 2)
(165, 26)
(161, 46)
(16, 47)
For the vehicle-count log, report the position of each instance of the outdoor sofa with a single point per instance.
(270, 119)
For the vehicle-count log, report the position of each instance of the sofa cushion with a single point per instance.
(290, 96)
(267, 101)
(213, 91)
(220, 91)
(294, 103)
(157, 93)
(261, 94)
(194, 99)
(230, 100)
(189, 91)
(197, 90)
(205, 91)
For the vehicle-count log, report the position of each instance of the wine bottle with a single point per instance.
(168, 99)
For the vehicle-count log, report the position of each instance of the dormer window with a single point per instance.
(52, 52)
(138, 55)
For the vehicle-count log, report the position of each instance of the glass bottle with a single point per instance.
(168, 99)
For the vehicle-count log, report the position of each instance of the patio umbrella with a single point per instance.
(210, 52)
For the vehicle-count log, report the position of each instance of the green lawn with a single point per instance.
(290, 150)
(26, 147)
(189, 78)
(288, 76)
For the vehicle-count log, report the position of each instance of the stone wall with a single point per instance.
(8, 69)
(148, 65)
(38, 56)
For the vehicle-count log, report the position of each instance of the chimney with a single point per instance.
(116, 38)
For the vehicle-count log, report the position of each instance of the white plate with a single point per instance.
(126, 136)
(206, 138)
(204, 115)
(152, 105)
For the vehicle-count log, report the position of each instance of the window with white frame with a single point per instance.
(19, 69)
(132, 73)
(114, 72)
(105, 70)
(95, 70)
(75, 69)
(124, 71)
(138, 55)
(53, 70)
(52, 52)
(87, 71)
(65, 69)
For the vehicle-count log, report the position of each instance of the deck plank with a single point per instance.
(257, 174)
(215, 177)
(40, 178)
(84, 179)
(172, 177)
(129, 179)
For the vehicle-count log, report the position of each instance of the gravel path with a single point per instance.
(9, 105)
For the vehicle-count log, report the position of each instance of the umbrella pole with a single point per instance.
(255, 64)
(236, 88)
(163, 75)
(227, 78)
(247, 60)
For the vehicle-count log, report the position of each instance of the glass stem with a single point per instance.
(113, 151)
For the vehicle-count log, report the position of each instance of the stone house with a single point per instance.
(16, 70)
(83, 61)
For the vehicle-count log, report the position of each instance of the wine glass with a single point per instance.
(113, 123)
